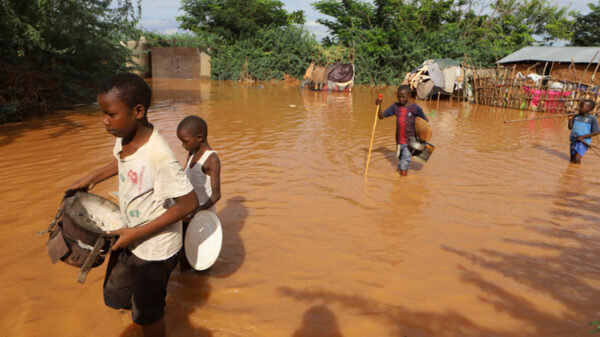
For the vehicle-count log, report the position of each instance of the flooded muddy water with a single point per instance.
(497, 235)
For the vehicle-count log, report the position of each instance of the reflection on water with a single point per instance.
(496, 235)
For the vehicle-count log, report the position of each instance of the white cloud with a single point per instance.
(316, 28)
(171, 31)
(312, 24)
(157, 23)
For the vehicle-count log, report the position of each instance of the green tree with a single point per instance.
(56, 52)
(269, 54)
(234, 19)
(390, 37)
(586, 28)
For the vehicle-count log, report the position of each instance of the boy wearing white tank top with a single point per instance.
(203, 168)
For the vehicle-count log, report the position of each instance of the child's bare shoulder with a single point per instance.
(213, 158)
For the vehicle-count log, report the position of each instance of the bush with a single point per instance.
(57, 52)
(270, 54)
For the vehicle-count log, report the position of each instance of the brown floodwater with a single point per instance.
(497, 235)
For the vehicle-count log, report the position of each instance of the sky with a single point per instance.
(160, 15)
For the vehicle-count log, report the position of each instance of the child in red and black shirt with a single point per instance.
(405, 124)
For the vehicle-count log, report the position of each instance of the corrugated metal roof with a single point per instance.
(554, 54)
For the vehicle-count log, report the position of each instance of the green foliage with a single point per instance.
(390, 37)
(234, 19)
(595, 325)
(270, 54)
(296, 18)
(250, 39)
(586, 28)
(56, 52)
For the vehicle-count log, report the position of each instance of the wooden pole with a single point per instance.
(528, 69)
(380, 96)
(594, 74)
(592, 60)
(562, 105)
(544, 73)
(511, 88)
(571, 67)
(543, 93)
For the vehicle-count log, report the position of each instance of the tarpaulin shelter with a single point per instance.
(435, 76)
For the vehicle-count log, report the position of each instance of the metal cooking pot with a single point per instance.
(81, 236)
(416, 145)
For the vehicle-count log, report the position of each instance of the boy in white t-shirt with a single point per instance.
(203, 167)
(154, 195)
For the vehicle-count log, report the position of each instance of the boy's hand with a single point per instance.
(378, 101)
(88, 182)
(84, 183)
(127, 236)
(188, 217)
(580, 139)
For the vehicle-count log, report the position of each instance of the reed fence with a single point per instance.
(501, 87)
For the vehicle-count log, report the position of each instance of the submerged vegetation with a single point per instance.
(55, 52)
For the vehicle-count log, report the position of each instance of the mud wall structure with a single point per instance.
(179, 62)
(140, 58)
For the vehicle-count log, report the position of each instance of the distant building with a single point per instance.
(561, 63)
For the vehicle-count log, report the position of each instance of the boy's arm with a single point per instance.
(98, 176)
(421, 114)
(595, 130)
(383, 114)
(571, 121)
(213, 170)
(183, 206)
(581, 138)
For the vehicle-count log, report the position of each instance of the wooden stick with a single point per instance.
(594, 74)
(592, 60)
(380, 96)
(561, 104)
(528, 69)
(536, 118)
(87, 264)
(571, 67)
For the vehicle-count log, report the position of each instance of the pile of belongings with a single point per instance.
(435, 76)
(339, 77)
